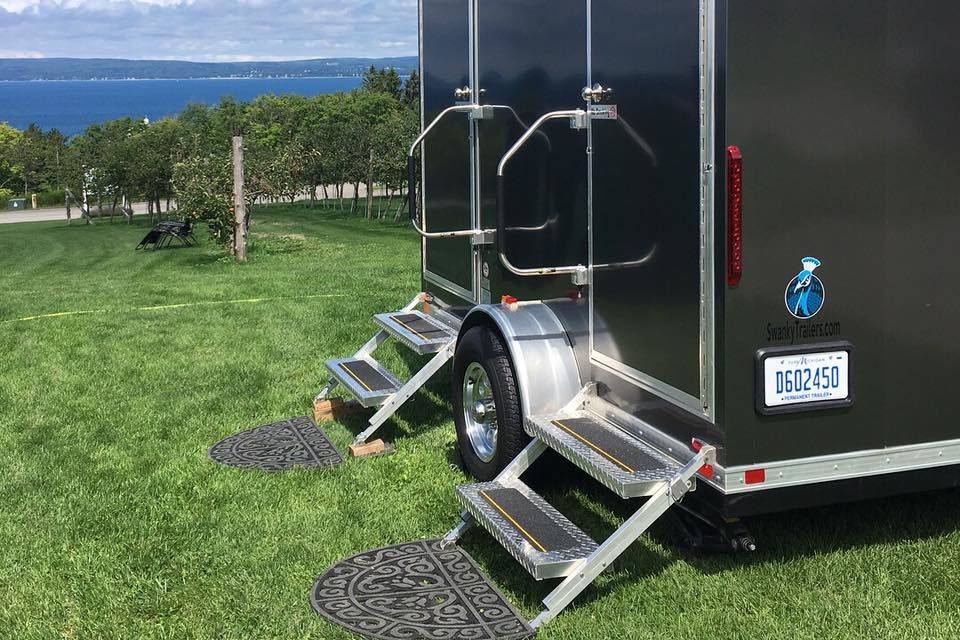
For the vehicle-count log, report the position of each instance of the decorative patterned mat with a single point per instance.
(278, 447)
(416, 590)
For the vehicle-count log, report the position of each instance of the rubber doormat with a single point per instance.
(416, 590)
(278, 447)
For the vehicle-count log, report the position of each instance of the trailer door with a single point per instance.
(531, 59)
(650, 296)
(447, 152)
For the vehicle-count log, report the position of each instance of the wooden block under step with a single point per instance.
(375, 448)
(333, 409)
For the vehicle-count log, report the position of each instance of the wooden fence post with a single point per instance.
(239, 202)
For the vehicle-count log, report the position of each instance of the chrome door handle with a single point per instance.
(463, 93)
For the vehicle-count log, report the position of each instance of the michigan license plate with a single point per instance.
(807, 379)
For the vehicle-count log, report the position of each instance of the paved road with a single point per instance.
(56, 213)
(139, 209)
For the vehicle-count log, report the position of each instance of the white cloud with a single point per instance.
(209, 29)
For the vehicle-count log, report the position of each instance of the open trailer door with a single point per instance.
(651, 316)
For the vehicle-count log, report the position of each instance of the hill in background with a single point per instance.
(118, 69)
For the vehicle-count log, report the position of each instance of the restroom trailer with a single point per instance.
(686, 244)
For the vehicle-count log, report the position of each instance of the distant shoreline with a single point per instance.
(38, 80)
(114, 69)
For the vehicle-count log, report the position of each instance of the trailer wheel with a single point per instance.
(486, 404)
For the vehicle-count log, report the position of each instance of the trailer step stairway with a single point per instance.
(545, 542)
(367, 380)
(625, 465)
(417, 330)
(371, 383)
(537, 535)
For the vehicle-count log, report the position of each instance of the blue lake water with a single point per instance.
(73, 105)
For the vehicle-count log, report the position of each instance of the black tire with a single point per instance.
(485, 347)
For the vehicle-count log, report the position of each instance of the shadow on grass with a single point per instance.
(421, 414)
(782, 537)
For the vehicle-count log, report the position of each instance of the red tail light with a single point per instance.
(734, 216)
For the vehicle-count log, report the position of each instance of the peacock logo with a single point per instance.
(805, 294)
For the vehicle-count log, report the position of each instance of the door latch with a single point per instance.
(596, 93)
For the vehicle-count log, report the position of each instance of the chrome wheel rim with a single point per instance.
(480, 412)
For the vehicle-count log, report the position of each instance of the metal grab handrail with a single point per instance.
(578, 114)
(412, 178)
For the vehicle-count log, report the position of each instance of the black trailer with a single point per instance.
(685, 244)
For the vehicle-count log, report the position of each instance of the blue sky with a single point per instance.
(208, 30)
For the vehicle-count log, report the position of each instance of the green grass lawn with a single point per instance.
(120, 369)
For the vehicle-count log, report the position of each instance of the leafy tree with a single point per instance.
(411, 91)
(204, 188)
(57, 145)
(31, 158)
(293, 143)
(385, 81)
(155, 148)
(9, 147)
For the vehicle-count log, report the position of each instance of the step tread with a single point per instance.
(621, 462)
(542, 539)
(417, 330)
(369, 381)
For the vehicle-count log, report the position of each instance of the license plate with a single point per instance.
(806, 379)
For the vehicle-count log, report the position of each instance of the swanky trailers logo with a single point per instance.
(805, 294)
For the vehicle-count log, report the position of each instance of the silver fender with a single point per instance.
(540, 349)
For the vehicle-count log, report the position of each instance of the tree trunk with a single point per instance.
(370, 186)
(241, 219)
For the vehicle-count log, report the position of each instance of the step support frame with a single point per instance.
(367, 349)
(512, 471)
(656, 505)
(406, 391)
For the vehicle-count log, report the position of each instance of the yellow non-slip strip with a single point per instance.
(355, 376)
(526, 534)
(409, 328)
(596, 448)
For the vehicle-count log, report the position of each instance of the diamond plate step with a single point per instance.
(625, 465)
(418, 331)
(530, 529)
(366, 379)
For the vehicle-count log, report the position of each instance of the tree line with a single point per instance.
(295, 146)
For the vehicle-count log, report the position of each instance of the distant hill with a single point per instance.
(118, 69)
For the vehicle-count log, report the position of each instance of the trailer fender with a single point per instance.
(540, 350)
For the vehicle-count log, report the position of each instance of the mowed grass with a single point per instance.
(114, 523)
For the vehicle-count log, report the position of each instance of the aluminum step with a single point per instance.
(625, 465)
(531, 530)
(366, 379)
(420, 332)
